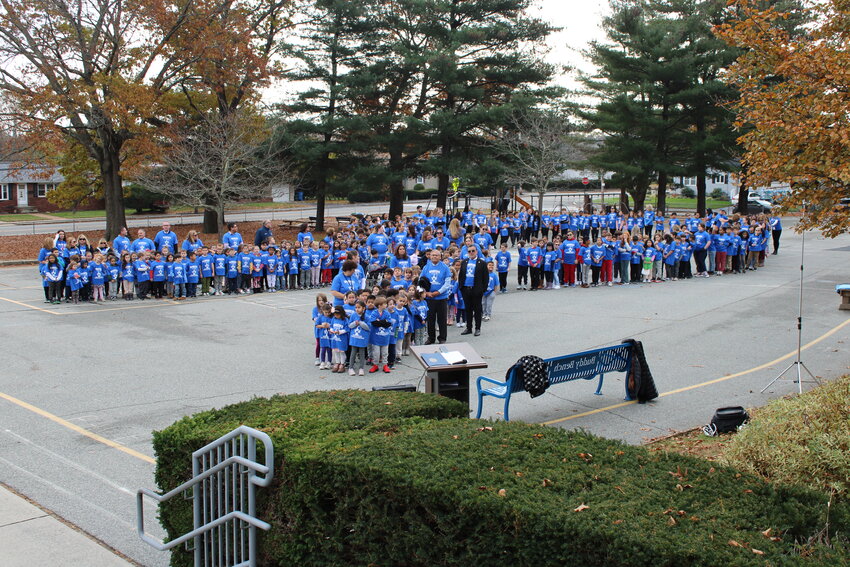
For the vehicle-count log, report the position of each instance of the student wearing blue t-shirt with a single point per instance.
(143, 279)
(597, 256)
(551, 264)
(490, 292)
(193, 275)
(338, 332)
(503, 264)
(159, 276)
(358, 339)
(381, 324)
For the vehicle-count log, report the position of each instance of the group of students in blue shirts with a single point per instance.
(567, 248)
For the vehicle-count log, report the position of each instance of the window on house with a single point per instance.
(43, 188)
(420, 180)
(4, 192)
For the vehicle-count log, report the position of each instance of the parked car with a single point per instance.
(754, 207)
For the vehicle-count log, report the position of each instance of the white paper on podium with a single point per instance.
(454, 357)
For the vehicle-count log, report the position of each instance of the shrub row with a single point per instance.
(390, 479)
(800, 440)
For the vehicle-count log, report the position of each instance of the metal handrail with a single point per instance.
(242, 466)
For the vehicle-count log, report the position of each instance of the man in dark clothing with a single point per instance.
(263, 233)
(473, 278)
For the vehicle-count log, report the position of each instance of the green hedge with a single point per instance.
(389, 479)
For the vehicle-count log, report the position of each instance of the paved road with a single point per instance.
(125, 369)
(331, 210)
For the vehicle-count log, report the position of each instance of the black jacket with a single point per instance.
(482, 276)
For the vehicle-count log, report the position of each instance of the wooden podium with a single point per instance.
(451, 380)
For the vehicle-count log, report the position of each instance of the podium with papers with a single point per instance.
(447, 368)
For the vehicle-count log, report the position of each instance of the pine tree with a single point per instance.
(330, 48)
(482, 54)
(640, 78)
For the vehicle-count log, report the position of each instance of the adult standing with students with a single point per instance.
(440, 277)
(474, 278)
(231, 238)
(345, 281)
(263, 233)
(120, 244)
(166, 237)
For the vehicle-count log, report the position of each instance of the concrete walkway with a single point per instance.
(31, 536)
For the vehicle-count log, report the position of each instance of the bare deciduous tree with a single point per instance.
(537, 145)
(222, 160)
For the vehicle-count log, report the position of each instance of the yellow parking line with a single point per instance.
(103, 309)
(78, 429)
(709, 382)
(30, 306)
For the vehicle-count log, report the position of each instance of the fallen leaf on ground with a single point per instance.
(581, 508)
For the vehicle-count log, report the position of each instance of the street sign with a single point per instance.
(585, 180)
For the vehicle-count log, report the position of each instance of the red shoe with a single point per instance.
(386, 369)
(373, 369)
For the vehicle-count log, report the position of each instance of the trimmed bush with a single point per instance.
(389, 479)
(800, 440)
(719, 194)
(687, 193)
(365, 196)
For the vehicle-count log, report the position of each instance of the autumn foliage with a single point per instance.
(793, 110)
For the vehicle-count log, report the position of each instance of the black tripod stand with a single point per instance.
(798, 363)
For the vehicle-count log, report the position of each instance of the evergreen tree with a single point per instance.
(481, 55)
(330, 47)
(641, 75)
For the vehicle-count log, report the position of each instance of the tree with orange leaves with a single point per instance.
(795, 96)
(110, 74)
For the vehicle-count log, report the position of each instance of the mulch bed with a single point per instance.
(25, 248)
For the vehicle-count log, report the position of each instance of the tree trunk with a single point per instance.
(540, 202)
(701, 191)
(396, 198)
(321, 185)
(700, 169)
(639, 196)
(442, 188)
(220, 221)
(661, 203)
(113, 192)
(211, 221)
(624, 201)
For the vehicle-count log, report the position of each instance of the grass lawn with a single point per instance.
(678, 203)
(18, 217)
(86, 214)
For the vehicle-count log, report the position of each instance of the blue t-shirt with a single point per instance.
(440, 277)
(503, 261)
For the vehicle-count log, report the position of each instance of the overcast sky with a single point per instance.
(580, 22)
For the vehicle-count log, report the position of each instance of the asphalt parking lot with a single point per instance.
(83, 387)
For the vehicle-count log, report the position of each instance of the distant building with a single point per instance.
(714, 179)
(25, 189)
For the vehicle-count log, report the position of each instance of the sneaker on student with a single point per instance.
(351, 372)
(556, 286)
(318, 362)
(361, 373)
(609, 284)
(386, 369)
(373, 369)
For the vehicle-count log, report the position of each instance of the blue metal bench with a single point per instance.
(585, 365)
